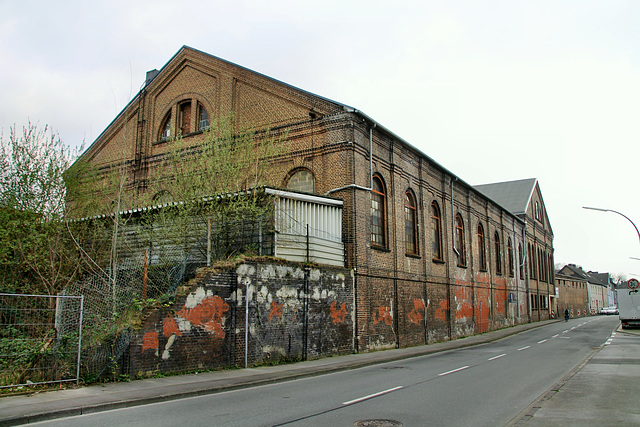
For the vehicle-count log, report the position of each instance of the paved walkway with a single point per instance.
(595, 383)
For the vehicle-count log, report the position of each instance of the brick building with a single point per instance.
(573, 291)
(433, 258)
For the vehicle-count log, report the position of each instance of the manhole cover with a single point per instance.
(378, 423)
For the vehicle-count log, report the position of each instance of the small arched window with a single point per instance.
(302, 180)
(462, 259)
(203, 118)
(482, 253)
(510, 255)
(410, 223)
(165, 129)
(436, 232)
(378, 220)
(496, 238)
(184, 117)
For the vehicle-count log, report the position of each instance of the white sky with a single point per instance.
(492, 90)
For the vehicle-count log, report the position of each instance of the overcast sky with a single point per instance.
(492, 90)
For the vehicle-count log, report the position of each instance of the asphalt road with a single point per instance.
(486, 385)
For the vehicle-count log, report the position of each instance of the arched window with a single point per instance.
(510, 255)
(184, 117)
(532, 262)
(521, 261)
(165, 129)
(482, 252)
(203, 118)
(410, 223)
(302, 180)
(436, 232)
(462, 259)
(378, 220)
(540, 265)
(496, 239)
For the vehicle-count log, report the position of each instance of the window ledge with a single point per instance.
(380, 248)
(437, 261)
(413, 256)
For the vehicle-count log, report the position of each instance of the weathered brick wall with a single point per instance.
(295, 312)
(333, 144)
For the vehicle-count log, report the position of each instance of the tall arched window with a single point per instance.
(482, 252)
(436, 232)
(378, 220)
(532, 262)
(496, 239)
(521, 261)
(462, 259)
(410, 223)
(510, 255)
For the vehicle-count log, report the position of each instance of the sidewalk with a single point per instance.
(602, 391)
(16, 410)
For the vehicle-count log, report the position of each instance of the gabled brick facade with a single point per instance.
(404, 295)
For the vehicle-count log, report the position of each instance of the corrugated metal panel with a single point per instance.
(295, 218)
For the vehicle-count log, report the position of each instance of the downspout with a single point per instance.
(360, 187)
(453, 221)
(453, 240)
(524, 265)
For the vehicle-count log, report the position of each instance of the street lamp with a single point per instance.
(611, 210)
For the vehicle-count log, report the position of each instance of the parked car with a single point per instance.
(609, 310)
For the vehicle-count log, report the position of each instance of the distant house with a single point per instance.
(573, 291)
(597, 287)
(433, 258)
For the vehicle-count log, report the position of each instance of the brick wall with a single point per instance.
(295, 312)
(400, 300)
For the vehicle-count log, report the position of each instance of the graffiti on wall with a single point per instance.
(417, 314)
(383, 314)
(202, 311)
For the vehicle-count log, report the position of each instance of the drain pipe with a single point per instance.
(360, 187)
(524, 264)
(453, 221)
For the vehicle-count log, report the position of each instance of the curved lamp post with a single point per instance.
(611, 210)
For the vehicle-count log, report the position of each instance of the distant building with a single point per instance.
(573, 291)
(523, 198)
(597, 286)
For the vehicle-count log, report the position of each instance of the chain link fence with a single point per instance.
(40, 339)
(148, 273)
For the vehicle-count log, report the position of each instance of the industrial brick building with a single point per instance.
(433, 258)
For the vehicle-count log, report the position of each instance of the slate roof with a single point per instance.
(592, 277)
(512, 195)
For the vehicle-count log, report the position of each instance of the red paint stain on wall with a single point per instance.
(501, 300)
(338, 315)
(441, 311)
(170, 327)
(464, 303)
(150, 341)
(483, 308)
(415, 316)
(383, 315)
(208, 314)
(276, 310)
